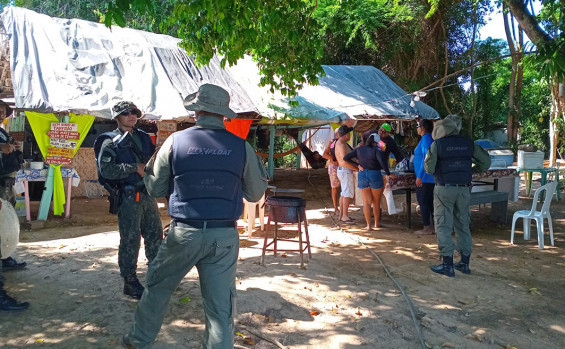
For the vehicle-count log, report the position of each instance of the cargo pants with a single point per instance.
(137, 219)
(452, 213)
(214, 252)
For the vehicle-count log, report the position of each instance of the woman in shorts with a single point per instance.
(370, 180)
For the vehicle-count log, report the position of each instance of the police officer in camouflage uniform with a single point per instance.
(9, 164)
(207, 171)
(450, 159)
(122, 160)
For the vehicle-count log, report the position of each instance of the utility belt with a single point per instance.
(204, 224)
(132, 190)
(452, 185)
(7, 182)
(129, 191)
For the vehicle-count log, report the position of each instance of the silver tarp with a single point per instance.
(61, 65)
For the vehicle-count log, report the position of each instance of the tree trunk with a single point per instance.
(511, 124)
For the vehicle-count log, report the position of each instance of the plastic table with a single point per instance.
(528, 174)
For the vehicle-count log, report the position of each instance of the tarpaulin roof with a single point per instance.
(61, 65)
(346, 91)
(74, 65)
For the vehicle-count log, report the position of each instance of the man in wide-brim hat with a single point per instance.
(205, 171)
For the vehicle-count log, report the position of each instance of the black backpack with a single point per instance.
(109, 184)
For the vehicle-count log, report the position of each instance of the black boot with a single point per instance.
(446, 268)
(132, 286)
(12, 264)
(126, 343)
(9, 304)
(463, 265)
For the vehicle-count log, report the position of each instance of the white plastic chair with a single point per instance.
(539, 216)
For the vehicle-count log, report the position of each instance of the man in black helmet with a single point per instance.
(121, 162)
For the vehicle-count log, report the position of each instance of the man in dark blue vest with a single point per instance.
(206, 171)
(450, 159)
(121, 161)
(9, 164)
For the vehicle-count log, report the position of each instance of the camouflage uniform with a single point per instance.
(136, 218)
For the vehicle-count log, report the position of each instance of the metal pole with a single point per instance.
(299, 154)
(271, 165)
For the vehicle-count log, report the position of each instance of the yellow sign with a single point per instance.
(52, 151)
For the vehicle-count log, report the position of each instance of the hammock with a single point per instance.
(314, 158)
(293, 150)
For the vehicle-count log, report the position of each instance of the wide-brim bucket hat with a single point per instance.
(210, 98)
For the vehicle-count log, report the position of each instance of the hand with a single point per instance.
(360, 168)
(392, 175)
(418, 182)
(141, 169)
(6, 148)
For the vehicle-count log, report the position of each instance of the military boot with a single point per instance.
(463, 265)
(446, 268)
(132, 286)
(9, 304)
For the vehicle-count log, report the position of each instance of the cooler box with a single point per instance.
(501, 157)
(527, 159)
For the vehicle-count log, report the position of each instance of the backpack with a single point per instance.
(110, 185)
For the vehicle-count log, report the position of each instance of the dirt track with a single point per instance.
(513, 298)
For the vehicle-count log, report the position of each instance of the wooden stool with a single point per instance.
(287, 209)
(249, 211)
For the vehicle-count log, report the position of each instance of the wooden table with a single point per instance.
(406, 182)
(33, 175)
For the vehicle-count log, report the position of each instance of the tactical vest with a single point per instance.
(454, 160)
(126, 155)
(207, 169)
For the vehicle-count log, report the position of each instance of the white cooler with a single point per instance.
(528, 160)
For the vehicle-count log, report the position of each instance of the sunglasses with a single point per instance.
(128, 112)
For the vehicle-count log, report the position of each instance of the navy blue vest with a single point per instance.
(125, 154)
(454, 160)
(207, 170)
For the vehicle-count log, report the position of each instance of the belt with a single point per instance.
(343, 168)
(209, 224)
(451, 185)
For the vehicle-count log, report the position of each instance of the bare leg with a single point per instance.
(345, 208)
(367, 201)
(376, 196)
(335, 194)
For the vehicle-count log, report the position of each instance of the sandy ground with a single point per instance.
(342, 299)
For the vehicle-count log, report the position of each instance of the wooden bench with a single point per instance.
(498, 201)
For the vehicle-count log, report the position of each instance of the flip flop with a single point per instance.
(349, 222)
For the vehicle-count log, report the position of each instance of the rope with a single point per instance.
(293, 150)
(388, 273)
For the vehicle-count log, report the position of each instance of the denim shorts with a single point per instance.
(370, 179)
